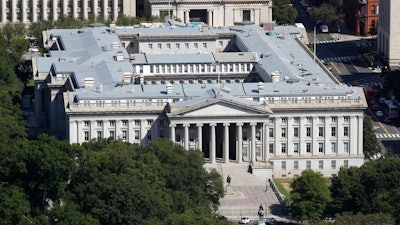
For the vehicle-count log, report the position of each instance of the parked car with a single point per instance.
(324, 28)
(270, 220)
(379, 113)
(244, 220)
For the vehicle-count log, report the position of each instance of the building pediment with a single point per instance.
(219, 107)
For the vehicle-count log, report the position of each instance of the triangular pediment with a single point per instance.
(219, 108)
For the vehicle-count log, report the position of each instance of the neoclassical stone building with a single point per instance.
(240, 94)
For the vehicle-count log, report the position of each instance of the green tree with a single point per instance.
(371, 144)
(328, 12)
(309, 197)
(283, 12)
(348, 218)
(13, 204)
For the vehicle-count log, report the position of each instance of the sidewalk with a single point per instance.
(245, 194)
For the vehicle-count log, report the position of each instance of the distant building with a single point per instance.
(239, 94)
(26, 11)
(361, 16)
(389, 32)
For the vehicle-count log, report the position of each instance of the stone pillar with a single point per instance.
(13, 11)
(239, 142)
(34, 10)
(44, 10)
(327, 134)
(199, 136)
(24, 14)
(187, 18)
(210, 17)
(172, 132)
(314, 149)
(85, 8)
(54, 10)
(3, 8)
(65, 7)
(115, 10)
(253, 142)
(75, 9)
(212, 144)
(226, 143)
(359, 149)
(94, 9)
(186, 135)
(105, 10)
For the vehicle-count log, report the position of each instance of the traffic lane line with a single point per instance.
(379, 122)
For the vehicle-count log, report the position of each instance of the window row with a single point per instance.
(124, 135)
(186, 45)
(124, 123)
(309, 120)
(308, 147)
(199, 68)
(309, 166)
(308, 132)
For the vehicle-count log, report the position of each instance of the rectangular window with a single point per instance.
(124, 123)
(296, 120)
(271, 120)
(258, 151)
(271, 148)
(333, 119)
(149, 122)
(296, 147)
(177, 45)
(320, 131)
(308, 164)
(346, 164)
(346, 131)
(283, 132)
(308, 131)
(333, 147)
(271, 132)
(296, 132)
(346, 119)
(136, 134)
(204, 45)
(346, 147)
(296, 165)
(168, 45)
(333, 164)
(321, 147)
(321, 119)
(196, 45)
(246, 15)
(221, 43)
(86, 123)
(309, 120)
(186, 45)
(112, 135)
(87, 135)
(99, 123)
(321, 164)
(150, 46)
(245, 151)
(333, 131)
(283, 147)
(124, 136)
(137, 122)
(99, 135)
(159, 46)
(373, 9)
(308, 147)
(149, 135)
(284, 165)
(284, 120)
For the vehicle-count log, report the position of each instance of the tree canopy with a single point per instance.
(283, 12)
(309, 197)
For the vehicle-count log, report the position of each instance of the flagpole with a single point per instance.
(315, 43)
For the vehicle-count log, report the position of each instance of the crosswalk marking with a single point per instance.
(338, 59)
(383, 135)
(326, 41)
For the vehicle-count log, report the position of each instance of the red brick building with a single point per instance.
(361, 16)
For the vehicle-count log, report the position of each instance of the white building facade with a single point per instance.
(267, 104)
(389, 32)
(26, 11)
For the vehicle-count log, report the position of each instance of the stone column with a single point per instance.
(13, 11)
(115, 10)
(172, 132)
(24, 14)
(94, 10)
(75, 9)
(239, 142)
(187, 18)
(44, 10)
(210, 17)
(327, 134)
(226, 143)
(65, 7)
(212, 144)
(54, 10)
(105, 10)
(359, 149)
(34, 10)
(253, 142)
(85, 8)
(3, 8)
(186, 135)
(79, 133)
(199, 136)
